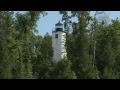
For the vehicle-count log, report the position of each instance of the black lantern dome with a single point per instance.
(59, 26)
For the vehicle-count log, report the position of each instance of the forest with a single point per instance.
(93, 47)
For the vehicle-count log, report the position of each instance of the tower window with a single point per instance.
(56, 35)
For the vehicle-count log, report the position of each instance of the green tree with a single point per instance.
(108, 46)
(63, 70)
(44, 64)
(82, 61)
(6, 40)
(25, 24)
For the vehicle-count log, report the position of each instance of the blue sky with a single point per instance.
(47, 23)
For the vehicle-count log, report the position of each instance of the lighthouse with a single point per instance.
(58, 42)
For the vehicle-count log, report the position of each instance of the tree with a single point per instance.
(44, 64)
(63, 70)
(81, 59)
(25, 24)
(6, 40)
(108, 50)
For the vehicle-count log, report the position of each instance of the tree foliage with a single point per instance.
(24, 55)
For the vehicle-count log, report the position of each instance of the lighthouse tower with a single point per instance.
(58, 42)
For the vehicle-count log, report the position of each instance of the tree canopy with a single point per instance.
(93, 47)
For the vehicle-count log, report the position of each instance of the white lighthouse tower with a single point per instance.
(58, 42)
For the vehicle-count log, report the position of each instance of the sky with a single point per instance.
(47, 23)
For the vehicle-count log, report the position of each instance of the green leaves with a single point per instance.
(43, 64)
(82, 61)
(107, 50)
(17, 45)
(23, 55)
(63, 70)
